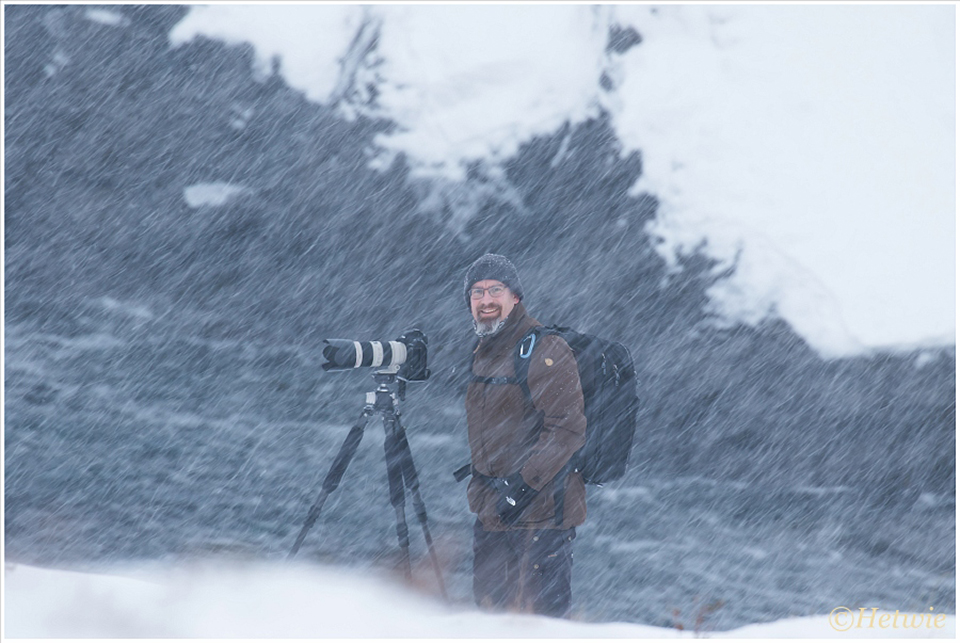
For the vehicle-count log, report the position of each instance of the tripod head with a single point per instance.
(387, 377)
(387, 383)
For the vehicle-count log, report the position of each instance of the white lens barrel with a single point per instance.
(359, 349)
(377, 353)
(399, 353)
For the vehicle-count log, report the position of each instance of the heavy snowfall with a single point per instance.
(758, 200)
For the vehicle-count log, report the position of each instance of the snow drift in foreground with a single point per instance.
(255, 600)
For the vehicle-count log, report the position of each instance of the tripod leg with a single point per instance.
(332, 481)
(412, 480)
(394, 456)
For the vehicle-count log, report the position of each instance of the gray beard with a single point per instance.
(485, 329)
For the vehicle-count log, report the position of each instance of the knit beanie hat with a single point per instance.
(496, 267)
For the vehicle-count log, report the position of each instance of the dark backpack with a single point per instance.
(610, 401)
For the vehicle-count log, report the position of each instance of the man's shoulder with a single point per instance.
(548, 338)
(552, 341)
(551, 350)
(553, 366)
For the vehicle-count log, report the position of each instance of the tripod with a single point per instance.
(400, 468)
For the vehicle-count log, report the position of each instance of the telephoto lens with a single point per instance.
(344, 354)
(406, 356)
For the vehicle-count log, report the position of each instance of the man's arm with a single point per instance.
(554, 383)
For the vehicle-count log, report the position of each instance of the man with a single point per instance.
(527, 499)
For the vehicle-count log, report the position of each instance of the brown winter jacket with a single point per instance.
(507, 435)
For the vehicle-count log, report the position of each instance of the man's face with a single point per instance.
(490, 310)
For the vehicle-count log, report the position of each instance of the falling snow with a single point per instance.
(189, 214)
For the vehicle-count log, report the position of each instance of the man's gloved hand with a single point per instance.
(515, 496)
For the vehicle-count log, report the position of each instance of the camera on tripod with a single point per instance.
(405, 356)
(400, 361)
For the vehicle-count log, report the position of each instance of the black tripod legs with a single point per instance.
(347, 450)
(401, 473)
(413, 484)
(394, 455)
(401, 470)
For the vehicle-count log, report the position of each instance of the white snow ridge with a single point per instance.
(298, 601)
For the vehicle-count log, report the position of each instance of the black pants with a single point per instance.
(526, 570)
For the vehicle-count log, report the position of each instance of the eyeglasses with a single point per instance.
(495, 291)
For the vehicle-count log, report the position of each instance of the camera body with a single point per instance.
(405, 356)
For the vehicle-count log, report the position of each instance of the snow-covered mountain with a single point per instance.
(811, 146)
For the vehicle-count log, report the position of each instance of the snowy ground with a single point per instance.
(257, 601)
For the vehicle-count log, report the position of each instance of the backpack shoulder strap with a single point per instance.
(521, 358)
